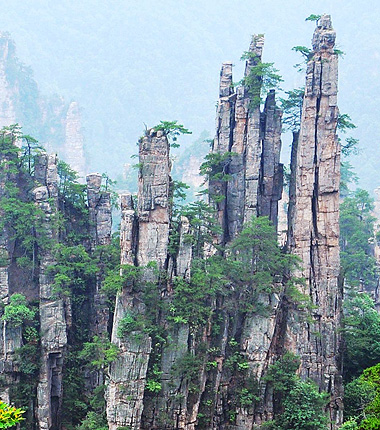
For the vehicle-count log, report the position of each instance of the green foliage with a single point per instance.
(350, 147)
(191, 300)
(301, 405)
(201, 217)
(31, 149)
(177, 196)
(74, 403)
(120, 277)
(179, 188)
(189, 368)
(72, 193)
(347, 176)
(21, 217)
(362, 400)
(17, 311)
(307, 53)
(215, 166)
(249, 394)
(361, 334)
(356, 236)
(282, 373)
(253, 264)
(172, 130)
(351, 424)
(93, 421)
(339, 52)
(129, 323)
(344, 124)
(153, 386)
(292, 109)
(99, 353)
(256, 263)
(9, 415)
(313, 17)
(27, 359)
(261, 78)
(108, 186)
(357, 395)
(304, 408)
(73, 269)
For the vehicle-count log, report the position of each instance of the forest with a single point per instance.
(250, 302)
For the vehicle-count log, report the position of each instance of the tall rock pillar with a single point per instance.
(99, 206)
(53, 309)
(74, 140)
(144, 239)
(253, 138)
(7, 91)
(315, 222)
(254, 145)
(10, 337)
(222, 144)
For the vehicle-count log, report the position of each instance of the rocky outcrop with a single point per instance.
(271, 170)
(10, 337)
(254, 184)
(100, 215)
(74, 140)
(54, 310)
(147, 244)
(315, 222)
(7, 92)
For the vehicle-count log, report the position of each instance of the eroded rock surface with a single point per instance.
(315, 222)
(53, 308)
(253, 137)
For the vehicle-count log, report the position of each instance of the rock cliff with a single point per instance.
(314, 222)
(253, 138)
(54, 310)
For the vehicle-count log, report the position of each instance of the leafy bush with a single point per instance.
(99, 353)
(301, 405)
(17, 311)
(9, 415)
(129, 323)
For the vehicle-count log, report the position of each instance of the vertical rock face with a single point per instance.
(222, 143)
(254, 133)
(255, 174)
(100, 214)
(315, 221)
(148, 243)
(99, 205)
(271, 171)
(74, 141)
(53, 309)
(10, 337)
(7, 111)
(153, 199)
(129, 370)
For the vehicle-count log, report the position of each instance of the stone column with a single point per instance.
(144, 239)
(315, 222)
(53, 309)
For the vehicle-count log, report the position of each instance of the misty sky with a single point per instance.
(133, 62)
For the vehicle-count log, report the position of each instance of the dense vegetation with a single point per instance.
(249, 266)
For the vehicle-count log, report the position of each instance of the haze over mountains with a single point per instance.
(129, 63)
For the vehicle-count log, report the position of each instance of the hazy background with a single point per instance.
(133, 62)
